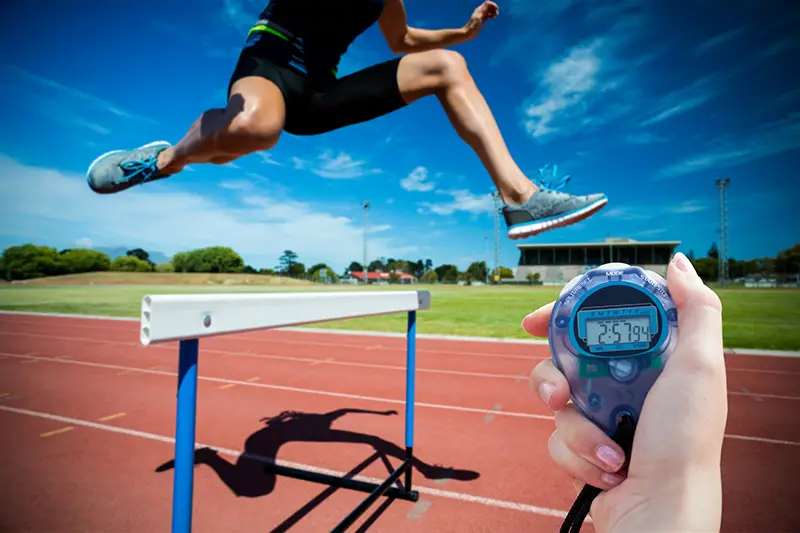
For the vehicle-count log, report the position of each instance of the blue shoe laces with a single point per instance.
(555, 183)
(141, 170)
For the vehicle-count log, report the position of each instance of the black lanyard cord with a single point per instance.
(583, 503)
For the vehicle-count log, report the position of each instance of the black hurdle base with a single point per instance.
(373, 490)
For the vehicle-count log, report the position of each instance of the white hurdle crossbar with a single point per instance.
(187, 318)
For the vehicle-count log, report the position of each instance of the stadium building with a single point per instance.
(556, 264)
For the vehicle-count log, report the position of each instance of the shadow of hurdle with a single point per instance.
(254, 472)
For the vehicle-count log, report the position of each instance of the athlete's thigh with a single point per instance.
(257, 89)
(359, 97)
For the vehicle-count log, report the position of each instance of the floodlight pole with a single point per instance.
(366, 222)
(496, 198)
(722, 185)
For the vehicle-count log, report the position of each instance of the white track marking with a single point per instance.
(284, 388)
(229, 353)
(361, 333)
(233, 337)
(757, 395)
(350, 396)
(460, 496)
(763, 440)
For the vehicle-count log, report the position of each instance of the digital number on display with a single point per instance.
(617, 330)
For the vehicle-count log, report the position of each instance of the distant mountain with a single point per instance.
(117, 251)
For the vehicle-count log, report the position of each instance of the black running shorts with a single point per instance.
(315, 106)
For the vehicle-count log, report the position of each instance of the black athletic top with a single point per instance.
(319, 30)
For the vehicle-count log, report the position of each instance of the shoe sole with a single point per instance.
(535, 228)
(112, 152)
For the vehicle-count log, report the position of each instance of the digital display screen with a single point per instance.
(617, 329)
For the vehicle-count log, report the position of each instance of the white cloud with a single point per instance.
(339, 166)
(631, 213)
(416, 181)
(679, 102)
(768, 140)
(628, 213)
(267, 158)
(644, 138)
(565, 82)
(160, 217)
(462, 200)
(684, 208)
(718, 40)
(70, 97)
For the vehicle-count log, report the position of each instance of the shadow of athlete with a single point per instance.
(247, 477)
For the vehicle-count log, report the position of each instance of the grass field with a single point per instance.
(753, 318)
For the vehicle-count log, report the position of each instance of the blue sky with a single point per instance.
(648, 102)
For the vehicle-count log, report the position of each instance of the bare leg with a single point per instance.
(252, 122)
(445, 74)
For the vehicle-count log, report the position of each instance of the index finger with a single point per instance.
(538, 322)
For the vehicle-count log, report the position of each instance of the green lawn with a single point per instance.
(753, 318)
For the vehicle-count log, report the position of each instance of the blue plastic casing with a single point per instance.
(611, 331)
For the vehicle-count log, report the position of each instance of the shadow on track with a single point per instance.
(246, 477)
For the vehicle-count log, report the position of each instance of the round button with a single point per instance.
(623, 369)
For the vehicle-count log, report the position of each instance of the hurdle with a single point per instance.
(188, 318)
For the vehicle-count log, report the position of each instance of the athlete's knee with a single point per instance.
(257, 129)
(449, 66)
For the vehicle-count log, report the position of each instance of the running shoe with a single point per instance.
(118, 170)
(549, 209)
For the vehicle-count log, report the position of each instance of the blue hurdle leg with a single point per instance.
(411, 356)
(184, 437)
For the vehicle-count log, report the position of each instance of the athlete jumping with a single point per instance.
(286, 80)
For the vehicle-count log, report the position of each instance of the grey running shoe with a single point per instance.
(549, 209)
(118, 170)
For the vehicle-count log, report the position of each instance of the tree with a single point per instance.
(287, 261)
(713, 253)
(217, 259)
(447, 273)
(81, 260)
(30, 261)
(354, 266)
(141, 254)
(788, 261)
(130, 263)
(376, 266)
(429, 277)
(476, 271)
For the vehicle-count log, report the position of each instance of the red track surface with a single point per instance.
(99, 470)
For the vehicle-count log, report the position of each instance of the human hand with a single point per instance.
(487, 10)
(673, 479)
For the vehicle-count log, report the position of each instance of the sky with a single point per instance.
(647, 102)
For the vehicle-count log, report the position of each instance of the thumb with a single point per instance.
(684, 415)
(700, 341)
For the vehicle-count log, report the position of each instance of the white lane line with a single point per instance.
(268, 356)
(464, 497)
(350, 396)
(285, 388)
(363, 333)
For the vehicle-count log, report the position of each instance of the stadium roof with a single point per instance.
(606, 243)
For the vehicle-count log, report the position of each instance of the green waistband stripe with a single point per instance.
(261, 27)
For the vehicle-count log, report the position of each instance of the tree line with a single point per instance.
(30, 261)
(33, 261)
(783, 267)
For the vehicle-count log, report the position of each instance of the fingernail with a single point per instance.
(610, 457)
(546, 390)
(683, 263)
(612, 479)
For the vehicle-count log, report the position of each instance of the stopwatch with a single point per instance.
(611, 331)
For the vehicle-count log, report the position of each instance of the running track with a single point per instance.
(87, 418)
